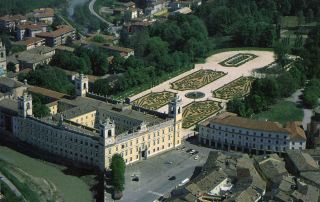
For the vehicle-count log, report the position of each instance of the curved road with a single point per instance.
(93, 12)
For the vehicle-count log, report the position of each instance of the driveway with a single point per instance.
(307, 113)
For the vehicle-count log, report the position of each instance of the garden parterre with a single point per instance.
(197, 80)
(195, 112)
(237, 88)
(154, 100)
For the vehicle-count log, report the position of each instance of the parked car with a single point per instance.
(196, 157)
(189, 150)
(135, 179)
(196, 152)
(172, 178)
(169, 162)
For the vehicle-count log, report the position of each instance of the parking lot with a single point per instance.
(155, 172)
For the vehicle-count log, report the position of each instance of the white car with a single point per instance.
(196, 157)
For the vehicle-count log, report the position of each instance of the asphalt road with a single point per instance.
(307, 113)
(154, 173)
(113, 28)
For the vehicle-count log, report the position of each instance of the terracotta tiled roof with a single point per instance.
(118, 48)
(30, 40)
(63, 29)
(46, 92)
(232, 120)
(43, 12)
(296, 130)
(31, 26)
(13, 17)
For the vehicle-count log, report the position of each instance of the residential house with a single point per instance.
(124, 52)
(155, 6)
(44, 15)
(176, 5)
(298, 162)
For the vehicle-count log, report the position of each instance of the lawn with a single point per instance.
(282, 112)
(66, 184)
(197, 80)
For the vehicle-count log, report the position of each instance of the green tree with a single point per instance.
(11, 67)
(117, 168)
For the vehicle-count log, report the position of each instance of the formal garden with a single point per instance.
(195, 112)
(237, 88)
(197, 80)
(154, 100)
(238, 59)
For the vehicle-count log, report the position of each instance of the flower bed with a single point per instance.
(238, 59)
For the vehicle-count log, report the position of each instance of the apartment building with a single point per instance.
(89, 131)
(29, 29)
(228, 131)
(9, 22)
(59, 36)
(31, 43)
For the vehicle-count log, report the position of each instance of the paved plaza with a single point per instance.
(154, 173)
(232, 73)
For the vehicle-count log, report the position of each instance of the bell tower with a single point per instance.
(25, 105)
(3, 57)
(82, 85)
(106, 138)
(175, 112)
(175, 108)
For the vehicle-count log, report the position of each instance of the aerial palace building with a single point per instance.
(89, 131)
(228, 131)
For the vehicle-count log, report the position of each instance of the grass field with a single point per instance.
(281, 112)
(66, 185)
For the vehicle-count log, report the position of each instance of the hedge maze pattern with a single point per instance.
(197, 80)
(237, 88)
(195, 112)
(238, 59)
(153, 100)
